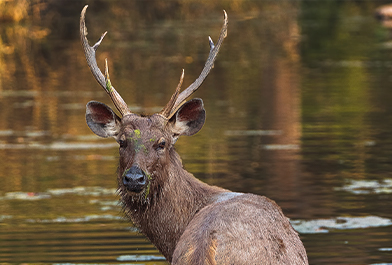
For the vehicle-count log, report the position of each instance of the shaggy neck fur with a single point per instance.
(175, 196)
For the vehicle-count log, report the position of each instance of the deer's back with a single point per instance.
(240, 229)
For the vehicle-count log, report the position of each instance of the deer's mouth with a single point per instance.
(134, 179)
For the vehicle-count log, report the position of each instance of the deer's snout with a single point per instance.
(134, 179)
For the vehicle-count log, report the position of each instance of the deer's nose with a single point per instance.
(134, 179)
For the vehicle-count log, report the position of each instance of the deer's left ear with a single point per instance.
(188, 119)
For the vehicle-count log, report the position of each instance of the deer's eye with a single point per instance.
(122, 143)
(161, 144)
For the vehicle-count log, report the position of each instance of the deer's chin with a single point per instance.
(134, 190)
(140, 191)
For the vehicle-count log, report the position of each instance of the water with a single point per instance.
(298, 109)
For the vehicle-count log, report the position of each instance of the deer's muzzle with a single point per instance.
(134, 179)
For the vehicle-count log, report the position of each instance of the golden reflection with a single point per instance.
(13, 10)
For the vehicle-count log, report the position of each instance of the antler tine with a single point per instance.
(104, 81)
(165, 112)
(214, 49)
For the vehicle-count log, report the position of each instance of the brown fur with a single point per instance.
(189, 221)
(247, 229)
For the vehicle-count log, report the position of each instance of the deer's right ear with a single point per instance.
(102, 120)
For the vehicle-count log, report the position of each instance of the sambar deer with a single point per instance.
(189, 221)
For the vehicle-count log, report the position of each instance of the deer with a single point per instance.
(189, 221)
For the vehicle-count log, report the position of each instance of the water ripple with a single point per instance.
(326, 225)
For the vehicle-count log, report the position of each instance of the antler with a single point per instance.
(177, 99)
(104, 81)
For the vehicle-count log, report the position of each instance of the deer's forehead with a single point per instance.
(143, 128)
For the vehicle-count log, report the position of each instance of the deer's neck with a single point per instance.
(171, 207)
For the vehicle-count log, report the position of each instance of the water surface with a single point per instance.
(298, 109)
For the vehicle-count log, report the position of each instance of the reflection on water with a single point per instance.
(298, 109)
(326, 225)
